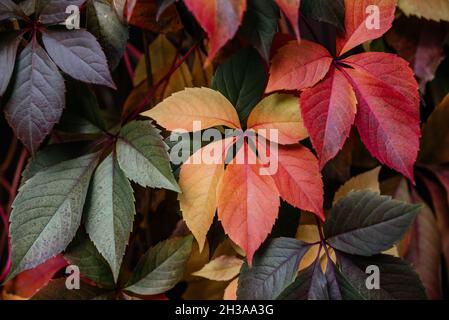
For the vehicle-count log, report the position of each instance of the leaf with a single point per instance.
(230, 292)
(421, 43)
(142, 155)
(199, 183)
(223, 268)
(398, 281)
(329, 111)
(37, 97)
(298, 66)
(329, 11)
(279, 112)
(183, 109)
(54, 11)
(241, 79)
(9, 44)
(365, 223)
(248, 203)
(357, 21)
(260, 25)
(388, 108)
(435, 135)
(220, 20)
(47, 212)
(274, 269)
(161, 267)
(110, 212)
(106, 26)
(79, 55)
(202, 73)
(368, 181)
(298, 179)
(437, 10)
(9, 10)
(311, 284)
(57, 290)
(291, 10)
(27, 283)
(83, 253)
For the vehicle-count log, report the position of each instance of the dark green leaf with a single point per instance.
(398, 281)
(329, 11)
(242, 79)
(8, 50)
(142, 155)
(366, 223)
(260, 25)
(162, 267)
(57, 290)
(110, 212)
(274, 269)
(79, 55)
(37, 97)
(47, 212)
(82, 253)
(104, 23)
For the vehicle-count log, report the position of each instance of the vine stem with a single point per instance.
(153, 90)
(4, 218)
(17, 175)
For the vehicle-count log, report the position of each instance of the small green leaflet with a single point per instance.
(162, 267)
(142, 155)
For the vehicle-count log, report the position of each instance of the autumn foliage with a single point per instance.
(232, 149)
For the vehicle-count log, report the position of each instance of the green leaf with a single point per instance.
(242, 79)
(104, 23)
(47, 212)
(142, 155)
(82, 114)
(260, 25)
(57, 290)
(329, 11)
(110, 212)
(82, 253)
(274, 269)
(365, 223)
(162, 267)
(398, 281)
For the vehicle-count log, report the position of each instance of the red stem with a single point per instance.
(129, 66)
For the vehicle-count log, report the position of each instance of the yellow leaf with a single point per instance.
(368, 180)
(182, 109)
(230, 292)
(280, 112)
(436, 10)
(309, 233)
(198, 182)
(223, 268)
(201, 74)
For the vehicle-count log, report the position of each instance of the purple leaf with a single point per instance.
(37, 98)
(9, 9)
(8, 50)
(54, 11)
(79, 55)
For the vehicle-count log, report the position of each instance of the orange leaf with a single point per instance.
(291, 10)
(329, 111)
(199, 182)
(179, 111)
(298, 66)
(298, 179)
(359, 24)
(279, 112)
(220, 19)
(248, 203)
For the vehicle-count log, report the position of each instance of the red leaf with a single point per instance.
(248, 203)
(298, 179)
(220, 19)
(291, 10)
(298, 66)
(388, 108)
(357, 20)
(27, 283)
(328, 110)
